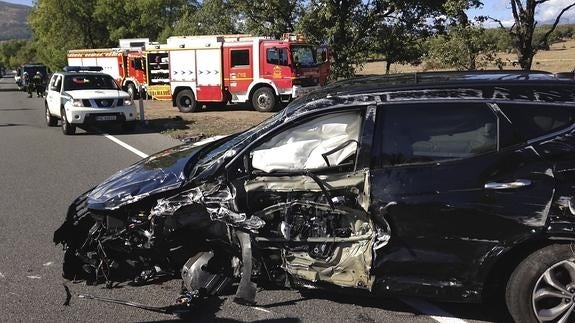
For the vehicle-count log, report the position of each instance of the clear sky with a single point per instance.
(499, 9)
(24, 2)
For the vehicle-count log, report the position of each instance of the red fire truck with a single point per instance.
(195, 70)
(240, 68)
(117, 62)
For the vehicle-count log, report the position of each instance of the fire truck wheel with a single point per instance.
(186, 101)
(264, 100)
(132, 91)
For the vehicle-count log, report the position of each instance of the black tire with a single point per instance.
(186, 101)
(519, 294)
(264, 100)
(51, 121)
(132, 91)
(67, 128)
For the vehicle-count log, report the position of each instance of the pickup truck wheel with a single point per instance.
(132, 91)
(542, 287)
(264, 100)
(186, 101)
(67, 128)
(51, 121)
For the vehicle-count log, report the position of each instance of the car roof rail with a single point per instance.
(82, 68)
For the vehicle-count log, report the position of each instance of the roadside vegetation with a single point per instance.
(426, 34)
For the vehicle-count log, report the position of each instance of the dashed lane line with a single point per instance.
(125, 145)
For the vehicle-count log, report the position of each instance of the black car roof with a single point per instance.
(497, 85)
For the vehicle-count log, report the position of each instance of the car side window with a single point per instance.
(327, 141)
(410, 134)
(534, 120)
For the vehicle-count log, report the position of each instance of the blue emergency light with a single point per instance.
(82, 68)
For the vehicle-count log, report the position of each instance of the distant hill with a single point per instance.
(13, 21)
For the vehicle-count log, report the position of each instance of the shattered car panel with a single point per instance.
(397, 186)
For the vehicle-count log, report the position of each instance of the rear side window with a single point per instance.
(532, 121)
(409, 134)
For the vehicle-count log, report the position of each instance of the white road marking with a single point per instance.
(125, 145)
(431, 310)
(49, 263)
(34, 277)
(261, 309)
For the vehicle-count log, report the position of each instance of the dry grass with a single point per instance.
(223, 120)
(560, 58)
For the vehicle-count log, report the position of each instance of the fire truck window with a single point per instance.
(277, 56)
(240, 57)
(137, 63)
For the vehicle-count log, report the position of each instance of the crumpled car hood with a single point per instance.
(158, 173)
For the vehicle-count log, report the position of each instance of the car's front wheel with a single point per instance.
(67, 128)
(542, 287)
(51, 121)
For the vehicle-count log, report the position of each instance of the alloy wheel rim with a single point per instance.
(553, 296)
(47, 115)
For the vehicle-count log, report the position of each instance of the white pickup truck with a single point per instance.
(83, 96)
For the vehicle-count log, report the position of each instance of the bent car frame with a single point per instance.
(453, 186)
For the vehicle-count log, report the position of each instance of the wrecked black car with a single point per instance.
(454, 186)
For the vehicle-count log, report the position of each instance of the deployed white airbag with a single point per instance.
(302, 146)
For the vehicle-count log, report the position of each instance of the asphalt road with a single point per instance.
(42, 171)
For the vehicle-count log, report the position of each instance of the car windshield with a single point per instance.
(305, 56)
(89, 82)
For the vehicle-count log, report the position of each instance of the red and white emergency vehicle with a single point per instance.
(241, 68)
(126, 66)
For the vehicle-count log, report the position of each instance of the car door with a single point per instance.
(53, 95)
(456, 187)
(309, 183)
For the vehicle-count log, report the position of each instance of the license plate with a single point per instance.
(105, 118)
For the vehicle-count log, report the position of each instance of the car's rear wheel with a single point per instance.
(542, 287)
(186, 101)
(51, 121)
(67, 128)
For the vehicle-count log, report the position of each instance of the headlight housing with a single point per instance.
(77, 103)
(128, 101)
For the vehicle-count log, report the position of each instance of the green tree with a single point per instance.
(269, 18)
(522, 32)
(153, 19)
(466, 45)
(212, 17)
(14, 53)
(59, 25)
(399, 36)
(463, 48)
(344, 26)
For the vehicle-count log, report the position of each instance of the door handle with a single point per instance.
(518, 183)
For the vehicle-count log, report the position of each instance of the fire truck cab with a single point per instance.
(241, 68)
